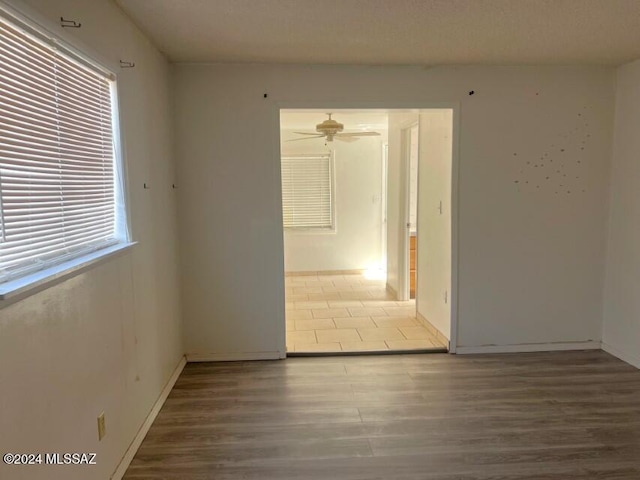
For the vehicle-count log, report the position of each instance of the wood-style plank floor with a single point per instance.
(542, 416)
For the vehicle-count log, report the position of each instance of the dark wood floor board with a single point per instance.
(482, 442)
(572, 463)
(542, 416)
(285, 391)
(254, 453)
(475, 371)
(306, 403)
(335, 415)
(301, 382)
(494, 413)
(597, 473)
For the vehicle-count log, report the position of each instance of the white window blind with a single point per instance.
(58, 175)
(307, 198)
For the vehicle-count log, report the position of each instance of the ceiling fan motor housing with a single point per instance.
(329, 128)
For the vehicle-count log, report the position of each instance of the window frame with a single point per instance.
(332, 179)
(15, 288)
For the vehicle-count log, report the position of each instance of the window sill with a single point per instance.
(15, 290)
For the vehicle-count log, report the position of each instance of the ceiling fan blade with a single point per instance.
(358, 134)
(305, 138)
(347, 139)
(308, 133)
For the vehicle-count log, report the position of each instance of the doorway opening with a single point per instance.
(412, 139)
(358, 276)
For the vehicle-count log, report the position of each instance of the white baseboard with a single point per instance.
(530, 347)
(631, 359)
(324, 272)
(146, 425)
(234, 357)
(392, 291)
(434, 331)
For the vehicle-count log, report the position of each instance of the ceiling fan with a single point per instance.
(331, 129)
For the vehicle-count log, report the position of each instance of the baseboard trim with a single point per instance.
(146, 425)
(392, 291)
(432, 328)
(530, 347)
(324, 272)
(633, 360)
(234, 357)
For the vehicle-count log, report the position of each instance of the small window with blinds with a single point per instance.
(60, 193)
(307, 192)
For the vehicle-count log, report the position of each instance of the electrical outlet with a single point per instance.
(102, 429)
(446, 296)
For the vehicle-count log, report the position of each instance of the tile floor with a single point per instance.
(350, 313)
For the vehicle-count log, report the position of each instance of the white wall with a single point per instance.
(530, 260)
(356, 242)
(109, 339)
(621, 329)
(396, 210)
(434, 224)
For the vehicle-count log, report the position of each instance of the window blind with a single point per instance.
(307, 191)
(57, 159)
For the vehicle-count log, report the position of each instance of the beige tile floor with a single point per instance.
(350, 313)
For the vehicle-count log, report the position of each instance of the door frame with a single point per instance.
(404, 260)
(276, 106)
(383, 204)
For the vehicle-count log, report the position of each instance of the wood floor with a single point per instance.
(565, 416)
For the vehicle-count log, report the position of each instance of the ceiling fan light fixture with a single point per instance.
(329, 127)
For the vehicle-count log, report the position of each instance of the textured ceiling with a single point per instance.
(387, 32)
